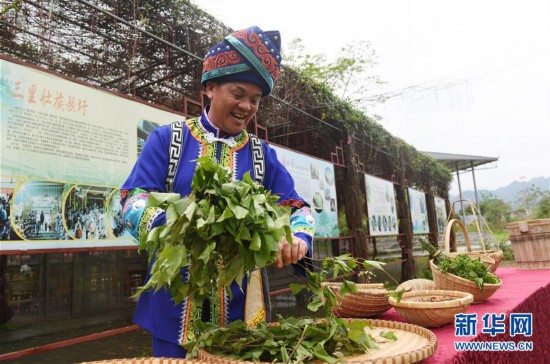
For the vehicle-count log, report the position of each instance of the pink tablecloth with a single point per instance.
(522, 291)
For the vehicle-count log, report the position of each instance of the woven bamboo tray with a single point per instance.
(417, 284)
(413, 344)
(451, 282)
(495, 254)
(415, 311)
(146, 361)
(370, 300)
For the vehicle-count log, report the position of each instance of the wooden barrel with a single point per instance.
(531, 243)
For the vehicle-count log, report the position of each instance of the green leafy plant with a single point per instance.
(298, 339)
(462, 265)
(466, 267)
(222, 230)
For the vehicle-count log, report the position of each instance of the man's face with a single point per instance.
(232, 104)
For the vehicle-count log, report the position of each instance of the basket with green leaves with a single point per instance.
(494, 253)
(239, 223)
(462, 272)
(478, 254)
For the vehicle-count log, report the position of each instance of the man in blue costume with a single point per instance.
(237, 73)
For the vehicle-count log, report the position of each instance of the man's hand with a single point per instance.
(291, 254)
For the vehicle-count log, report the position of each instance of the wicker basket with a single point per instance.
(413, 344)
(417, 284)
(481, 254)
(415, 311)
(495, 254)
(146, 360)
(451, 282)
(370, 300)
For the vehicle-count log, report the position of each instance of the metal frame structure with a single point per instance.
(462, 162)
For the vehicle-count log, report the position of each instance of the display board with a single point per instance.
(381, 206)
(419, 212)
(440, 213)
(314, 182)
(65, 148)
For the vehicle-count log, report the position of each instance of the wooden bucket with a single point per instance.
(531, 243)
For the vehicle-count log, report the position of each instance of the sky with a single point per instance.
(466, 77)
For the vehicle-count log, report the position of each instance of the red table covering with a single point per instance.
(522, 291)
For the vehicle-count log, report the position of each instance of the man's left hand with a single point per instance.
(291, 254)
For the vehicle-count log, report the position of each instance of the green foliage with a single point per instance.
(346, 76)
(534, 202)
(15, 5)
(495, 211)
(298, 339)
(320, 83)
(462, 265)
(507, 251)
(542, 211)
(221, 231)
(291, 340)
(466, 267)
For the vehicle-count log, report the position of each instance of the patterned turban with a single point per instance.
(248, 55)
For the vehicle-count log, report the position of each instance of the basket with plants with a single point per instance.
(369, 299)
(239, 223)
(479, 254)
(495, 253)
(462, 272)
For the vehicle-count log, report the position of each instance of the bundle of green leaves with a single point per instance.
(298, 340)
(462, 265)
(222, 230)
(226, 228)
(469, 268)
(290, 340)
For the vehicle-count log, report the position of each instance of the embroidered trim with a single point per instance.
(260, 58)
(292, 203)
(226, 60)
(189, 313)
(199, 133)
(306, 229)
(143, 196)
(301, 221)
(147, 219)
(228, 70)
(176, 145)
(219, 305)
(257, 159)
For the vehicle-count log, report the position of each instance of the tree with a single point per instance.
(542, 210)
(348, 77)
(530, 200)
(495, 211)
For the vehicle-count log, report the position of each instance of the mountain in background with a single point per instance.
(509, 193)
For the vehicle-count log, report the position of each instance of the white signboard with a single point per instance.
(314, 182)
(440, 213)
(65, 148)
(381, 206)
(419, 212)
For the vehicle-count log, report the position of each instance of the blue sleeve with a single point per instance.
(149, 174)
(280, 182)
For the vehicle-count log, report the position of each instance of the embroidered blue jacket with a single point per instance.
(156, 312)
